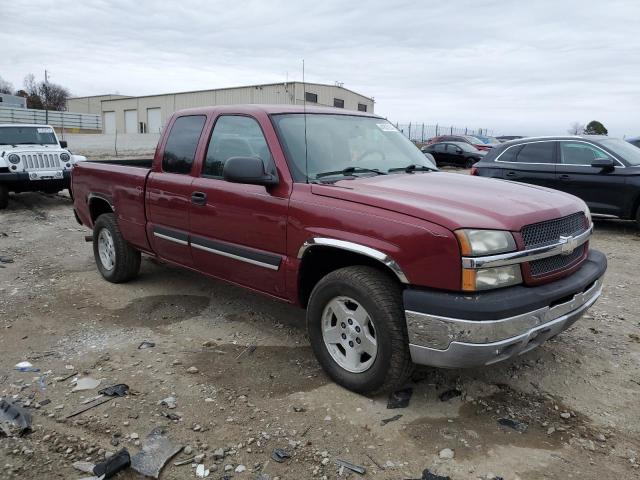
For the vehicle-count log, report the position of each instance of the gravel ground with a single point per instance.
(245, 381)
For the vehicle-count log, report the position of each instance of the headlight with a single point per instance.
(65, 157)
(475, 243)
(490, 278)
(13, 158)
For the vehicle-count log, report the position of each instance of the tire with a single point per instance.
(123, 262)
(4, 197)
(381, 298)
(637, 217)
(468, 163)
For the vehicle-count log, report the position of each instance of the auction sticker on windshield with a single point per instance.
(387, 127)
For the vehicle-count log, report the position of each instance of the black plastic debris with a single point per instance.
(400, 398)
(351, 466)
(13, 419)
(112, 465)
(280, 455)
(119, 390)
(390, 419)
(156, 451)
(427, 475)
(449, 394)
(146, 344)
(511, 423)
(4, 259)
(171, 416)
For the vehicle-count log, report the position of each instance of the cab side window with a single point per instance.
(579, 153)
(182, 143)
(235, 136)
(538, 152)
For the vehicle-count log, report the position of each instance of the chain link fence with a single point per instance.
(422, 132)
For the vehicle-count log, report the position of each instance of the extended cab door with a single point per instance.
(238, 231)
(533, 163)
(604, 191)
(169, 190)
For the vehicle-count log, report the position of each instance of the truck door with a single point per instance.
(169, 190)
(238, 231)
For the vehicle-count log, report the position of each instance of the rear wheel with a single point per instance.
(468, 163)
(357, 329)
(117, 261)
(4, 197)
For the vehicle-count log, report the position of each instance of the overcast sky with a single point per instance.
(512, 66)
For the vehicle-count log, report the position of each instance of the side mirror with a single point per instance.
(458, 150)
(63, 143)
(603, 163)
(249, 170)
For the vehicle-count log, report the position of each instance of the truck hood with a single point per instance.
(456, 201)
(8, 149)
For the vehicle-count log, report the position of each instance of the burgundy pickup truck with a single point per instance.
(395, 262)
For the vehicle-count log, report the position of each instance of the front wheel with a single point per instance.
(117, 261)
(468, 163)
(357, 329)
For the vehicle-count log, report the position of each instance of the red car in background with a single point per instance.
(476, 142)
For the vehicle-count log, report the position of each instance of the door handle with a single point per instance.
(199, 198)
(565, 178)
(511, 174)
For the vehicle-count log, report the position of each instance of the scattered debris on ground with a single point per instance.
(400, 398)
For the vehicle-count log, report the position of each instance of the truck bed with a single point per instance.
(118, 182)
(128, 162)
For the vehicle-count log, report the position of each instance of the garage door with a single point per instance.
(154, 125)
(130, 121)
(109, 125)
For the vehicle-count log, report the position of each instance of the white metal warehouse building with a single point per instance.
(148, 114)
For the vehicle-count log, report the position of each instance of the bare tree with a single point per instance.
(6, 87)
(576, 128)
(45, 95)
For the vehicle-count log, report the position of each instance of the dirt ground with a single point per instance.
(577, 395)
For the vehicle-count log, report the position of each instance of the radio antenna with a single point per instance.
(304, 110)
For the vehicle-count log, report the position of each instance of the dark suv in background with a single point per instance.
(602, 171)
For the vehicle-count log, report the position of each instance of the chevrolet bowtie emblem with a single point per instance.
(569, 244)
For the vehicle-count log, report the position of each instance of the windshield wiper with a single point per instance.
(412, 168)
(350, 171)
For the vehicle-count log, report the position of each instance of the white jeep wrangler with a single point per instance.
(32, 159)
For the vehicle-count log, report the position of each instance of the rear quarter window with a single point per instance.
(180, 149)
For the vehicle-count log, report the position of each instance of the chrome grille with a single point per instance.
(548, 233)
(40, 161)
(555, 263)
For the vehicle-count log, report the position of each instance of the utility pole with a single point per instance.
(46, 98)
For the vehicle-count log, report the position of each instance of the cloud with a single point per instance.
(508, 66)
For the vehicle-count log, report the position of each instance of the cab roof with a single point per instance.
(273, 110)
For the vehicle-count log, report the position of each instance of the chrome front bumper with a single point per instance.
(455, 343)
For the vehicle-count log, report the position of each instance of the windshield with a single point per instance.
(625, 150)
(27, 135)
(343, 144)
